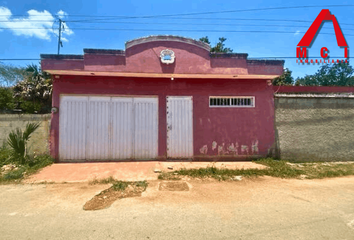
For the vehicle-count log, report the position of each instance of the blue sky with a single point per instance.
(32, 26)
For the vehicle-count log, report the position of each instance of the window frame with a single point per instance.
(253, 101)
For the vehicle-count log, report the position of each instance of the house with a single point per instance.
(163, 97)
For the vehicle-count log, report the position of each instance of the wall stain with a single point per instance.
(231, 148)
(204, 149)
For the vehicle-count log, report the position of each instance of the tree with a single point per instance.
(338, 74)
(34, 91)
(285, 79)
(219, 47)
(10, 75)
(6, 99)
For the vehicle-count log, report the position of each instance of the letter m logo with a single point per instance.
(325, 15)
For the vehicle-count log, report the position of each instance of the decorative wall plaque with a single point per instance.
(167, 56)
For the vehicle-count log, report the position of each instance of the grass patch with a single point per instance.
(168, 176)
(120, 185)
(276, 168)
(327, 170)
(280, 168)
(16, 175)
(103, 181)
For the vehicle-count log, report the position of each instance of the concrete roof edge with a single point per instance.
(159, 38)
(62, 56)
(104, 51)
(265, 62)
(228, 55)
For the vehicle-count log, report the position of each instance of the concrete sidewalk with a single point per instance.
(126, 171)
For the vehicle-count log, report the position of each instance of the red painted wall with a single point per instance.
(145, 58)
(248, 130)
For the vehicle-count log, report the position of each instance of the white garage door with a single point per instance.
(108, 128)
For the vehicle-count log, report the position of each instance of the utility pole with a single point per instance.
(59, 40)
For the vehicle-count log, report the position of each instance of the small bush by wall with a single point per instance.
(39, 140)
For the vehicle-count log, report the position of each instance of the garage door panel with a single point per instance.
(122, 128)
(146, 128)
(98, 128)
(72, 128)
(108, 128)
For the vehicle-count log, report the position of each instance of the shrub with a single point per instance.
(15, 174)
(5, 155)
(18, 140)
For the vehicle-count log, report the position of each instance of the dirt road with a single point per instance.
(262, 208)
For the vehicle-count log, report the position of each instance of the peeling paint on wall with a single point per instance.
(214, 145)
(244, 149)
(255, 147)
(204, 149)
(221, 150)
(233, 149)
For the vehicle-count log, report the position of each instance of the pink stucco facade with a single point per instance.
(238, 133)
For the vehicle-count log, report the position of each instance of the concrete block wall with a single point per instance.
(315, 128)
(39, 140)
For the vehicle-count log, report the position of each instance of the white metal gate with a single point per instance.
(108, 128)
(179, 127)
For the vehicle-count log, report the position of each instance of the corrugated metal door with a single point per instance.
(146, 128)
(72, 128)
(98, 132)
(108, 128)
(179, 127)
(122, 119)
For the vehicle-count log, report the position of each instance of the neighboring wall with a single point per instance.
(39, 140)
(315, 126)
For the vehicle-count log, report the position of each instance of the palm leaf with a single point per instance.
(17, 140)
(30, 128)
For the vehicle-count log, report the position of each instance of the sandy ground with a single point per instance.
(261, 208)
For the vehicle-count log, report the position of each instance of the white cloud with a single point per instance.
(297, 33)
(62, 14)
(38, 24)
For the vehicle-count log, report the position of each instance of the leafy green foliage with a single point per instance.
(338, 74)
(34, 91)
(219, 47)
(285, 79)
(18, 140)
(10, 74)
(6, 99)
(5, 155)
(36, 163)
(15, 174)
(30, 167)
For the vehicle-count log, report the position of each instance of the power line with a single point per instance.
(177, 30)
(250, 58)
(189, 18)
(217, 24)
(213, 12)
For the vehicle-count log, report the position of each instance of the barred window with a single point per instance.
(231, 102)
